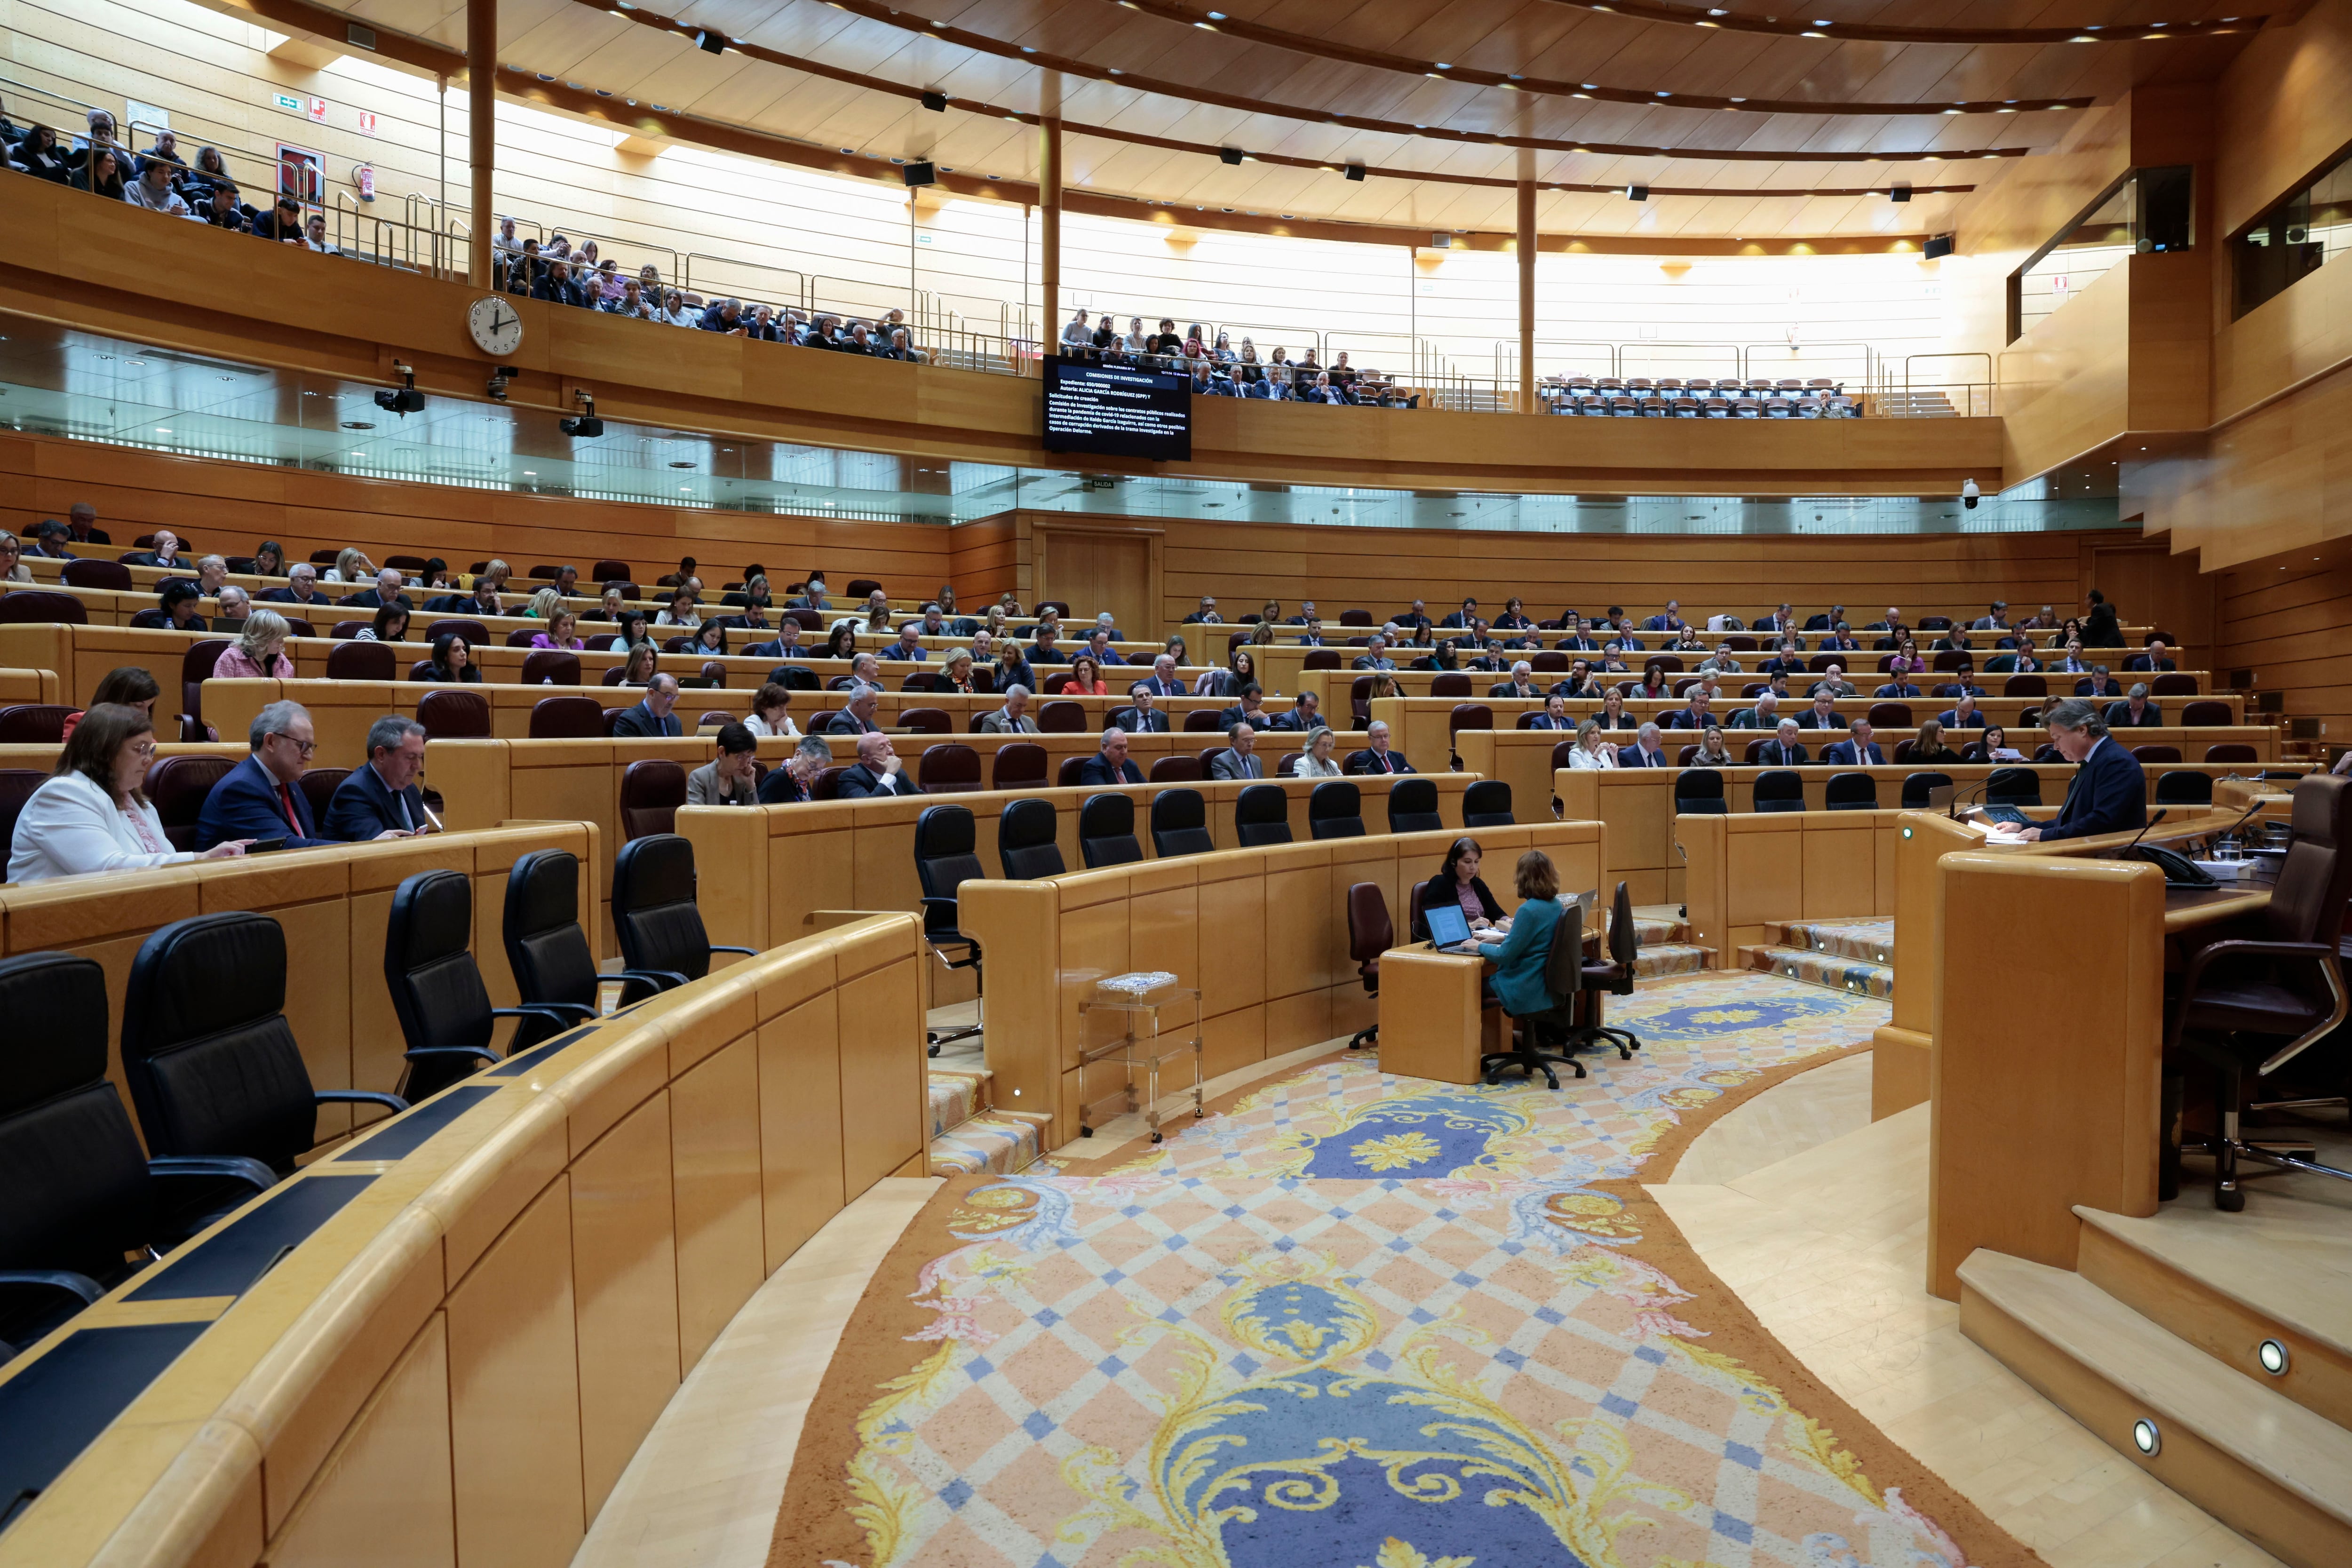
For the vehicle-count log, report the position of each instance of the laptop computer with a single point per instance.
(1449, 928)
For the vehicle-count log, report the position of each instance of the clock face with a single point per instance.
(495, 326)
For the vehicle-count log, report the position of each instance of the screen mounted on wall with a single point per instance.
(1116, 413)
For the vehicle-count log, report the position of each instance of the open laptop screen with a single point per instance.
(1447, 924)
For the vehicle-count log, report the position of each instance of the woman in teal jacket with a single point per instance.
(1519, 958)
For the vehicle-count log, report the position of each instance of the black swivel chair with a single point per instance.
(1106, 831)
(1614, 975)
(1916, 786)
(2182, 788)
(1370, 934)
(1026, 841)
(654, 913)
(1488, 803)
(947, 856)
(1781, 789)
(1852, 792)
(1413, 806)
(1563, 980)
(1699, 791)
(210, 1059)
(1335, 810)
(1179, 824)
(81, 1197)
(1262, 815)
(437, 988)
(2014, 787)
(554, 968)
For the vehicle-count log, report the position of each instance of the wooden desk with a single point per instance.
(2188, 909)
(1434, 1024)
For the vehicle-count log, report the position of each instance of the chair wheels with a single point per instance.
(2230, 1199)
(931, 1049)
(1365, 1037)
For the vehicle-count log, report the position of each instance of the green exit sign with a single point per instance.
(288, 102)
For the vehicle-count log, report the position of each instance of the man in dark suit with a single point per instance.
(301, 587)
(857, 716)
(1375, 655)
(1555, 713)
(1962, 715)
(1377, 757)
(1765, 715)
(652, 718)
(1205, 615)
(878, 772)
(1303, 716)
(1239, 760)
(1109, 765)
(1782, 750)
(482, 601)
(387, 591)
(1464, 618)
(2134, 711)
(1787, 660)
(1250, 710)
(1521, 684)
(381, 800)
(1962, 684)
(1857, 750)
(81, 525)
(1898, 687)
(261, 797)
(1045, 650)
(1670, 621)
(1647, 750)
(49, 541)
(166, 552)
(2156, 657)
(2109, 791)
(1164, 681)
(1305, 616)
(1696, 713)
(1821, 715)
(1579, 639)
(1140, 717)
(2099, 684)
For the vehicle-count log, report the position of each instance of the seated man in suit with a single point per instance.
(1841, 639)
(1250, 710)
(909, 646)
(482, 601)
(1110, 765)
(877, 770)
(1488, 660)
(380, 799)
(2109, 794)
(1098, 644)
(1579, 683)
(2099, 683)
(1140, 717)
(388, 584)
(1648, 751)
(1857, 750)
(1835, 682)
(1311, 635)
(1962, 715)
(1239, 760)
(1698, 710)
(795, 782)
(1521, 684)
(1900, 686)
(1995, 620)
(1303, 716)
(2134, 711)
(1464, 618)
(2156, 657)
(1375, 655)
(857, 716)
(1205, 615)
(81, 525)
(1962, 684)
(1765, 715)
(1046, 649)
(1821, 715)
(165, 552)
(1782, 750)
(1579, 637)
(1786, 660)
(49, 541)
(651, 719)
(1555, 713)
(1164, 681)
(785, 644)
(1824, 622)
(301, 587)
(1377, 757)
(1307, 615)
(1671, 620)
(261, 797)
(1013, 718)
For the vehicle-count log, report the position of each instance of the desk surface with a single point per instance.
(2186, 908)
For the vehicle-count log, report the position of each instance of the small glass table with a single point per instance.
(1146, 1051)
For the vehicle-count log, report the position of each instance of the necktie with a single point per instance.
(286, 803)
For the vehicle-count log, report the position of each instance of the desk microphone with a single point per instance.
(1952, 807)
(2126, 852)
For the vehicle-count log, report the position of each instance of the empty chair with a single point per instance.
(949, 768)
(1061, 717)
(555, 969)
(2230, 752)
(33, 723)
(179, 786)
(1106, 831)
(1262, 815)
(567, 719)
(1781, 789)
(1026, 841)
(1066, 775)
(2013, 786)
(196, 668)
(947, 856)
(212, 1063)
(1336, 810)
(2172, 683)
(1179, 824)
(444, 1013)
(651, 792)
(1413, 806)
(1890, 716)
(1488, 803)
(2146, 754)
(2195, 714)
(925, 720)
(1466, 716)
(475, 634)
(1699, 791)
(1852, 792)
(319, 786)
(31, 604)
(550, 667)
(611, 572)
(349, 660)
(1020, 764)
(1203, 721)
(1614, 975)
(655, 914)
(1371, 934)
(88, 573)
(1916, 786)
(2184, 788)
(1185, 769)
(2025, 685)
(1449, 683)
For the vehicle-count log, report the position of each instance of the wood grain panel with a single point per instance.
(625, 1274)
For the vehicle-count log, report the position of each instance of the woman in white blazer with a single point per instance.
(92, 815)
(1315, 762)
(1591, 751)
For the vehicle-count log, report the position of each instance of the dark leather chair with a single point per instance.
(1449, 683)
(1563, 982)
(1320, 658)
(2172, 683)
(81, 1195)
(179, 786)
(655, 915)
(1262, 815)
(475, 634)
(949, 769)
(1020, 764)
(651, 792)
(1413, 806)
(1204, 722)
(212, 1063)
(350, 660)
(925, 720)
(1335, 810)
(2146, 754)
(2196, 715)
(609, 572)
(29, 604)
(554, 968)
(317, 786)
(567, 719)
(86, 573)
(1026, 841)
(2250, 1005)
(1614, 975)
(437, 994)
(613, 674)
(2230, 752)
(2028, 685)
(2184, 788)
(550, 667)
(1465, 716)
(16, 787)
(1062, 718)
(2013, 786)
(1370, 935)
(1916, 786)
(1106, 831)
(33, 723)
(1852, 792)
(1890, 715)
(1174, 769)
(947, 856)
(196, 668)
(1066, 775)
(454, 713)
(1179, 823)
(1488, 803)
(1699, 791)
(1781, 789)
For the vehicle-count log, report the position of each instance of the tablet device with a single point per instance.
(2008, 813)
(1448, 926)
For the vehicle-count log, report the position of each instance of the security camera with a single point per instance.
(499, 379)
(1969, 493)
(407, 400)
(585, 425)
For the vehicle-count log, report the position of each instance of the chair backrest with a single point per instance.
(1336, 810)
(611, 572)
(1020, 764)
(925, 720)
(1564, 959)
(2307, 900)
(1488, 803)
(1449, 683)
(655, 915)
(196, 668)
(1185, 769)
(42, 605)
(546, 947)
(2026, 686)
(1413, 806)
(1852, 792)
(33, 723)
(436, 987)
(651, 792)
(950, 768)
(1890, 715)
(16, 787)
(212, 1063)
(358, 661)
(1624, 940)
(1179, 824)
(88, 573)
(1066, 775)
(1262, 815)
(1469, 716)
(1061, 717)
(1106, 831)
(454, 713)
(59, 1117)
(1320, 658)
(1203, 721)
(1916, 786)
(319, 786)
(2146, 754)
(2172, 683)
(550, 667)
(179, 786)
(2184, 788)
(1026, 844)
(2194, 713)
(1781, 789)
(2230, 752)
(1699, 790)
(2014, 787)
(946, 857)
(1355, 618)
(475, 634)
(1369, 932)
(567, 719)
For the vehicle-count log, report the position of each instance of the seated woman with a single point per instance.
(1174, 648)
(710, 639)
(1907, 662)
(769, 715)
(1383, 685)
(561, 631)
(732, 778)
(1591, 750)
(1086, 679)
(644, 659)
(11, 559)
(841, 642)
(543, 604)
(1445, 656)
(184, 606)
(1929, 746)
(1521, 957)
(390, 625)
(681, 613)
(632, 631)
(1612, 714)
(1241, 668)
(1458, 883)
(259, 651)
(1514, 617)
(1654, 683)
(351, 565)
(453, 660)
(958, 671)
(270, 560)
(1711, 753)
(1317, 761)
(128, 685)
(1991, 746)
(92, 815)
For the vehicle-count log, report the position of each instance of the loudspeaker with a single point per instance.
(1441, 242)
(1938, 245)
(936, 101)
(711, 43)
(1229, 154)
(922, 174)
(1356, 173)
(1901, 193)
(1637, 193)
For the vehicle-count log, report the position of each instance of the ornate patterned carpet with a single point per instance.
(1366, 1321)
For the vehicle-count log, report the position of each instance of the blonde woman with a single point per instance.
(1316, 762)
(351, 565)
(544, 604)
(259, 652)
(1591, 752)
(12, 564)
(559, 633)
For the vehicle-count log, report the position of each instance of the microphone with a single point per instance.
(2126, 852)
(1952, 808)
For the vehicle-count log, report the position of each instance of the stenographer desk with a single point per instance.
(1434, 1021)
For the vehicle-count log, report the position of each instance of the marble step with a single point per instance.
(1865, 939)
(1856, 976)
(1006, 1142)
(2277, 1473)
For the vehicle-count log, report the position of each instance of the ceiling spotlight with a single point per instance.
(711, 43)
(1637, 193)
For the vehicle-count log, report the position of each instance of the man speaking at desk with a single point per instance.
(2109, 794)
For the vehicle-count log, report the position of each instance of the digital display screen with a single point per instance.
(1117, 413)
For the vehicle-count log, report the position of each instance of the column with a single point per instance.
(1049, 205)
(481, 131)
(1527, 400)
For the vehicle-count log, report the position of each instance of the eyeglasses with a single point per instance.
(142, 749)
(303, 748)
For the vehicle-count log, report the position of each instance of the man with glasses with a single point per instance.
(261, 798)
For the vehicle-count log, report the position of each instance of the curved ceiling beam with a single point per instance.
(1876, 33)
(1445, 71)
(653, 19)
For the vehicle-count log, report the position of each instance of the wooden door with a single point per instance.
(1094, 570)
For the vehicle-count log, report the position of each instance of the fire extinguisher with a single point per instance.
(364, 180)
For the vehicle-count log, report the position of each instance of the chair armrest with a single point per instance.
(580, 1008)
(671, 979)
(646, 981)
(235, 1167)
(547, 1010)
(2316, 950)
(72, 1284)
(390, 1102)
(929, 899)
(425, 1053)
(746, 951)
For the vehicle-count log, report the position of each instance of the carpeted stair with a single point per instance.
(1856, 956)
(969, 1133)
(1662, 944)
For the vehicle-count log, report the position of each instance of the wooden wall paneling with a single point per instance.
(1095, 568)
(2280, 111)
(715, 1153)
(2288, 618)
(801, 1133)
(884, 1117)
(625, 1287)
(385, 1496)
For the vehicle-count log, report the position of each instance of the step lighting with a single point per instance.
(2146, 1437)
(2273, 1357)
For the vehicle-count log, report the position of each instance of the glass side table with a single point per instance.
(1145, 1050)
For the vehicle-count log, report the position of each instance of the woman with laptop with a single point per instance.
(1457, 886)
